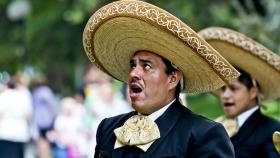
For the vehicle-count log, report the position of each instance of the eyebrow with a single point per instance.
(141, 60)
(145, 61)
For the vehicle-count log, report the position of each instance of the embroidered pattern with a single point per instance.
(160, 18)
(243, 42)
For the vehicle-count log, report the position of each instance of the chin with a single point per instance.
(231, 115)
(136, 107)
(140, 108)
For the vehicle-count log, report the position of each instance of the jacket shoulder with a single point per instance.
(269, 123)
(198, 119)
(197, 124)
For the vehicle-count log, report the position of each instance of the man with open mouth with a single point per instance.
(250, 131)
(158, 56)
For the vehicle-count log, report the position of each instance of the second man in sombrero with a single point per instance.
(158, 56)
(250, 131)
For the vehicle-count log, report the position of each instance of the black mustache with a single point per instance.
(136, 81)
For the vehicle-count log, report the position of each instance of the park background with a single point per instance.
(46, 36)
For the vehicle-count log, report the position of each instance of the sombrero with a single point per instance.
(248, 55)
(116, 31)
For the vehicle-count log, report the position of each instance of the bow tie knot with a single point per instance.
(138, 131)
(230, 124)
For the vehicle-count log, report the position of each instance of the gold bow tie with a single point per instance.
(230, 124)
(276, 140)
(138, 131)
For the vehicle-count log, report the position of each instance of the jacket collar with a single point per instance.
(247, 128)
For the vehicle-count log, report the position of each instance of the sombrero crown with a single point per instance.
(116, 31)
(248, 55)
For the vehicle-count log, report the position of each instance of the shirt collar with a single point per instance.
(245, 115)
(159, 112)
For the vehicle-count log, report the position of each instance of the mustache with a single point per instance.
(136, 82)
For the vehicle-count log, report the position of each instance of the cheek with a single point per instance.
(241, 100)
(157, 80)
(153, 86)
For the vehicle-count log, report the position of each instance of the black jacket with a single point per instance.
(254, 138)
(183, 134)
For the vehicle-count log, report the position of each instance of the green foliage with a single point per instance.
(49, 39)
(206, 105)
(271, 108)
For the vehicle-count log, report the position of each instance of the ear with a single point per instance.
(174, 79)
(254, 92)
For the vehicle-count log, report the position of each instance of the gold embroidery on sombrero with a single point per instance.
(139, 131)
(139, 10)
(242, 42)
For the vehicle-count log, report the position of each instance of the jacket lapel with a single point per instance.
(247, 128)
(166, 122)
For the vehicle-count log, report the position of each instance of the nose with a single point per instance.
(135, 73)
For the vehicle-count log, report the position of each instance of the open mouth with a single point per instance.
(228, 104)
(135, 88)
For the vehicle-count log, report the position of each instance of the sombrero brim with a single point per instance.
(248, 55)
(116, 31)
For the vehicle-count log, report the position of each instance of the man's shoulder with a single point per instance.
(198, 122)
(198, 119)
(269, 122)
(199, 129)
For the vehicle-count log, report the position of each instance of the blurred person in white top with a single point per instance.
(109, 104)
(69, 134)
(15, 116)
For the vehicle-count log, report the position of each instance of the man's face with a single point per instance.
(237, 98)
(149, 84)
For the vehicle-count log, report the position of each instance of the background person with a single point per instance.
(251, 133)
(43, 114)
(15, 119)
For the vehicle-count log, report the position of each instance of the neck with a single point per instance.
(252, 104)
(166, 102)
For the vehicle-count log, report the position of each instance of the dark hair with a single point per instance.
(169, 69)
(246, 79)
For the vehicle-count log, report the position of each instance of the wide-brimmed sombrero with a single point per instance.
(248, 55)
(116, 31)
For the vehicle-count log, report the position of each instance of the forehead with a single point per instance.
(147, 56)
(235, 82)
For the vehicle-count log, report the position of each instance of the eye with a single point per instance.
(132, 65)
(222, 89)
(147, 66)
(232, 88)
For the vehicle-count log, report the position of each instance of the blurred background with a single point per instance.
(63, 97)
